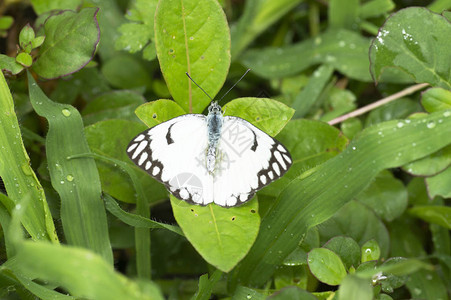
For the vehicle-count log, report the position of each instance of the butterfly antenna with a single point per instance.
(234, 84)
(198, 86)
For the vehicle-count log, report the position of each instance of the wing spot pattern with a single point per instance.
(143, 158)
(140, 148)
(279, 158)
(148, 165)
(139, 138)
(263, 179)
(155, 171)
(132, 147)
(281, 148)
(276, 168)
(287, 158)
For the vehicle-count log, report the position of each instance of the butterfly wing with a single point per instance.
(248, 159)
(173, 153)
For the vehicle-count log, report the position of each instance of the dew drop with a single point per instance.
(70, 178)
(400, 125)
(62, 181)
(447, 113)
(430, 124)
(66, 112)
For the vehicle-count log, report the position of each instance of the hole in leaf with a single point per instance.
(233, 218)
(253, 211)
(154, 116)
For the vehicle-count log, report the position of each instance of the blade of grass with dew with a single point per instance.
(76, 180)
(17, 174)
(309, 201)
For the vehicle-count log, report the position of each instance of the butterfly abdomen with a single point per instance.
(214, 126)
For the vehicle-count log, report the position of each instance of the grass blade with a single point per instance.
(17, 174)
(76, 181)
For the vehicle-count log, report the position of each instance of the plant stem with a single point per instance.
(407, 91)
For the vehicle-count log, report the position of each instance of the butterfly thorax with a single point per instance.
(214, 126)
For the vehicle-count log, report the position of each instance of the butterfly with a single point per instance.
(210, 159)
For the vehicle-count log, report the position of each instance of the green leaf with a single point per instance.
(110, 139)
(135, 76)
(136, 36)
(343, 14)
(326, 266)
(24, 59)
(370, 251)
(112, 105)
(156, 112)
(268, 115)
(70, 43)
(391, 282)
(217, 232)
(343, 223)
(6, 22)
(351, 127)
(26, 36)
(10, 64)
(440, 215)
(431, 164)
(298, 276)
(258, 15)
(398, 109)
(206, 285)
(438, 185)
(345, 51)
(436, 99)
(386, 196)
(79, 271)
(406, 238)
(192, 36)
(42, 6)
(292, 292)
(346, 248)
(37, 42)
(414, 47)
(243, 292)
(17, 175)
(299, 255)
(375, 8)
(427, 284)
(340, 101)
(354, 287)
(136, 220)
(310, 144)
(76, 180)
(308, 201)
(311, 92)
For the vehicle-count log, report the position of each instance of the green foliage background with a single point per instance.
(363, 213)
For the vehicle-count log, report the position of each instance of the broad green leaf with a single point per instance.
(110, 139)
(10, 64)
(79, 271)
(438, 185)
(310, 144)
(339, 102)
(70, 43)
(414, 47)
(257, 16)
(386, 196)
(343, 223)
(440, 215)
(351, 127)
(308, 201)
(292, 292)
(136, 220)
(354, 287)
(406, 238)
(436, 99)
(345, 51)
(206, 285)
(192, 36)
(311, 92)
(398, 266)
(223, 236)
(370, 251)
(43, 6)
(134, 76)
(326, 266)
(346, 248)
(391, 281)
(113, 105)
(427, 284)
(76, 180)
(343, 14)
(431, 164)
(17, 175)
(156, 112)
(266, 114)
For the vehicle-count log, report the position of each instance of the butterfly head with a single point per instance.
(214, 108)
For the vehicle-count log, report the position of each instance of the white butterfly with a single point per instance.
(210, 159)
